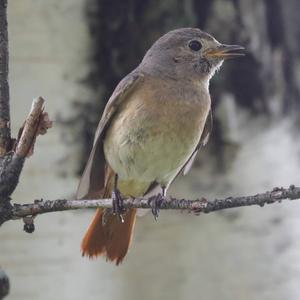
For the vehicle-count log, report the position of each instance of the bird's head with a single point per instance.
(188, 53)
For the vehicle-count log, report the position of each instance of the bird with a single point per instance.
(152, 127)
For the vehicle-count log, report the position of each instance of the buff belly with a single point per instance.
(149, 142)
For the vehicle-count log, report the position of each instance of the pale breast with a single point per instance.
(155, 131)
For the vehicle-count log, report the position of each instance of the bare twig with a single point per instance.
(4, 87)
(28, 132)
(32, 128)
(197, 206)
(12, 163)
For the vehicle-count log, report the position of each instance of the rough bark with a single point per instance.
(10, 169)
(196, 206)
(4, 87)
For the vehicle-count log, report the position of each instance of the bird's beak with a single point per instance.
(225, 52)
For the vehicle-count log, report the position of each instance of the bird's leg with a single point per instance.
(117, 201)
(156, 201)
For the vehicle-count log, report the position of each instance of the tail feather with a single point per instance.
(94, 241)
(120, 236)
(111, 239)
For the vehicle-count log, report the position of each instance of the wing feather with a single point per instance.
(93, 178)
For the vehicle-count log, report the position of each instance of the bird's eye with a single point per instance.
(195, 45)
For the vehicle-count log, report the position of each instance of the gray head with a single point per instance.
(187, 53)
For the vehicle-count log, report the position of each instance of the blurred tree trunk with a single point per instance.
(267, 81)
(4, 284)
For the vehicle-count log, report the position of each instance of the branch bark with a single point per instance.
(18, 211)
(5, 138)
(31, 128)
(12, 163)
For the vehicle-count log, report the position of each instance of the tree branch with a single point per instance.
(5, 138)
(35, 124)
(12, 163)
(12, 155)
(197, 206)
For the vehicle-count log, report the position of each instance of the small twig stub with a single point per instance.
(36, 123)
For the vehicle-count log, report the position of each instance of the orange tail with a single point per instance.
(111, 239)
(107, 235)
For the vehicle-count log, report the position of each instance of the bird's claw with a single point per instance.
(118, 205)
(155, 203)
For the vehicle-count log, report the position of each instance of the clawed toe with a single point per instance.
(118, 206)
(155, 203)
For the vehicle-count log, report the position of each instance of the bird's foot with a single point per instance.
(155, 203)
(118, 205)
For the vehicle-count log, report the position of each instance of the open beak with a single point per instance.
(225, 51)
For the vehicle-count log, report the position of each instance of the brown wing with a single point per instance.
(92, 181)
